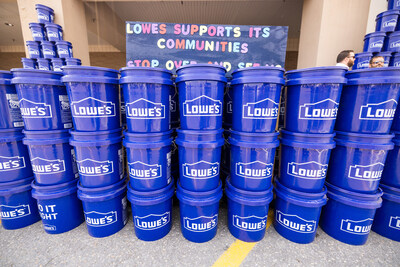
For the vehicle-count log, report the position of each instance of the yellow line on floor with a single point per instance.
(238, 251)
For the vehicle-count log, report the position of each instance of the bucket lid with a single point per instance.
(390, 193)
(359, 200)
(304, 140)
(199, 198)
(54, 191)
(261, 74)
(39, 6)
(48, 24)
(97, 194)
(365, 141)
(364, 54)
(310, 200)
(43, 60)
(5, 77)
(145, 75)
(78, 73)
(11, 135)
(198, 135)
(72, 60)
(57, 60)
(396, 138)
(95, 136)
(46, 137)
(384, 54)
(193, 72)
(15, 187)
(34, 24)
(23, 59)
(387, 13)
(32, 43)
(250, 198)
(375, 34)
(147, 137)
(394, 34)
(254, 140)
(148, 198)
(199, 144)
(148, 144)
(35, 76)
(331, 74)
(62, 42)
(46, 43)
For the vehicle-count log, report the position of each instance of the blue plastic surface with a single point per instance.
(255, 98)
(54, 32)
(34, 49)
(64, 49)
(391, 171)
(312, 99)
(44, 64)
(393, 42)
(48, 49)
(199, 213)
(9, 108)
(386, 57)
(348, 216)
(373, 42)
(297, 213)
(28, 63)
(38, 32)
(73, 61)
(247, 212)
(387, 21)
(17, 207)
(395, 60)
(57, 64)
(362, 60)
(45, 13)
(393, 4)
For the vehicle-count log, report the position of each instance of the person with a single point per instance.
(377, 62)
(345, 59)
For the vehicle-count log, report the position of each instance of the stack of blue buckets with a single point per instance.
(48, 50)
(385, 41)
(17, 207)
(148, 138)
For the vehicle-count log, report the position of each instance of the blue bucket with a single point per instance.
(38, 32)
(14, 157)
(149, 160)
(227, 112)
(201, 95)
(99, 157)
(45, 13)
(396, 121)
(73, 61)
(28, 63)
(34, 49)
(304, 160)
(43, 100)
(369, 101)
(17, 207)
(312, 99)
(386, 57)
(255, 97)
(247, 212)
(387, 218)
(152, 212)
(44, 64)
(54, 32)
(395, 60)
(199, 213)
(57, 64)
(64, 49)
(52, 158)
(94, 97)
(105, 208)
(297, 213)
(252, 160)
(48, 49)
(391, 171)
(348, 215)
(393, 4)
(362, 60)
(9, 108)
(373, 42)
(387, 21)
(59, 206)
(199, 159)
(393, 42)
(357, 162)
(147, 95)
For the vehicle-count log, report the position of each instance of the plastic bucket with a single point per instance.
(297, 213)
(152, 212)
(396, 121)
(201, 95)
(373, 42)
(199, 159)
(393, 42)
(149, 161)
(57, 64)
(386, 57)
(45, 13)
(52, 158)
(73, 61)
(199, 213)
(28, 63)
(369, 101)
(44, 64)
(94, 97)
(9, 108)
(312, 99)
(247, 212)
(14, 157)
(348, 215)
(391, 171)
(255, 97)
(37, 31)
(99, 157)
(357, 162)
(387, 218)
(387, 21)
(393, 4)
(43, 100)
(48, 49)
(147, 95)
(227, 115)
(34, 49)
(304, 160)
(54, 32)
(64, 49)
(252, 160)
(105, 208)
(17, 207)
(362, 60)
(395, 60)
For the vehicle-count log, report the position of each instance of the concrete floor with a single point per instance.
(31, 246)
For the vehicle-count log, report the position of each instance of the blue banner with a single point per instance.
(172, 45)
